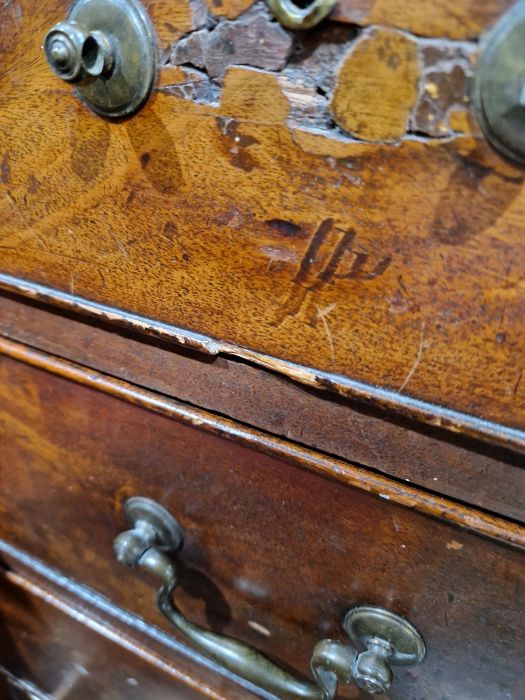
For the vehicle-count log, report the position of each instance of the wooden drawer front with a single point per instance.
(392, 259)
(45, 649)
(488, 477)
(274, 554)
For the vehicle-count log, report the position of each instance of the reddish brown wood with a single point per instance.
(268, 544)
(345, 472)
(491, 478)
(50, 643)
(460, 19)
(421, 411)
(102, 617)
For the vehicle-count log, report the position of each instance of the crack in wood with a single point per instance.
(316, 71)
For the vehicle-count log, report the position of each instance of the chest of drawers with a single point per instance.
(283, 302)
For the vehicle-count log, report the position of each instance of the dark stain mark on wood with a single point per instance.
(89, 138)
(469, 205)
(156, 153)
(32, 184)
(5, 170)
(323, 258)
(170, 231)
(236, 143)
(285, 228)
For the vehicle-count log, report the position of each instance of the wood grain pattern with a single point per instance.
(461, 19)
(467, 470)
(377, 86)
(268, 545)
(174, 19)
(228, 8)
(349, 474)
(378, 397)
(153, 647)
(50, 643)
(399, 266)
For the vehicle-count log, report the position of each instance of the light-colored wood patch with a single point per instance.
(454, 19)
(228, 8)
(377, 87)
(253, 95)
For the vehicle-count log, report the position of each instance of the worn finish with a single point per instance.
(488, 477)
(79, 454)
(464, 19)
(349, 474)
(430, 414)
(377, 86)
(50, 646)
(396, 265)
(152, 543)
(460, 19)
(313, 211)
(148, 642)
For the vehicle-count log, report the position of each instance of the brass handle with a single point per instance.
(386, 638)
(293, 16)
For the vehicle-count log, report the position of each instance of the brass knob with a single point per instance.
(107, 49)
(371, 671)
(77, 55)
(387, 639)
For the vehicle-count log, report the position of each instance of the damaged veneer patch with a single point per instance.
(372, 84)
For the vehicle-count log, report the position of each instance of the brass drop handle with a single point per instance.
(385, 638)
(294, 16)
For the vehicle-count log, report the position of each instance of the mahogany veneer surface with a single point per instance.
(267, 544)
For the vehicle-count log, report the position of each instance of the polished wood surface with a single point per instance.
(152, 646)
(274, 554)
(397, 264)
(470, 471)
(344, 472)
(50, 647)
(286, 301)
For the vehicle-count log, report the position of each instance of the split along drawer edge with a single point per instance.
(262, 341)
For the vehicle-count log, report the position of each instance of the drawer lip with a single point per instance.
(346, 473)
(411, 407)
(114, 622)
(483, 476)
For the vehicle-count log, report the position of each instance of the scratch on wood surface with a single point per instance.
(119, 244)
(322, 314)
(414, 367)
(517, 385)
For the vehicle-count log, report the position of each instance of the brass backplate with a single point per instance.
(123, 29)
(169, 534)
(367, 622)
(499, 89)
